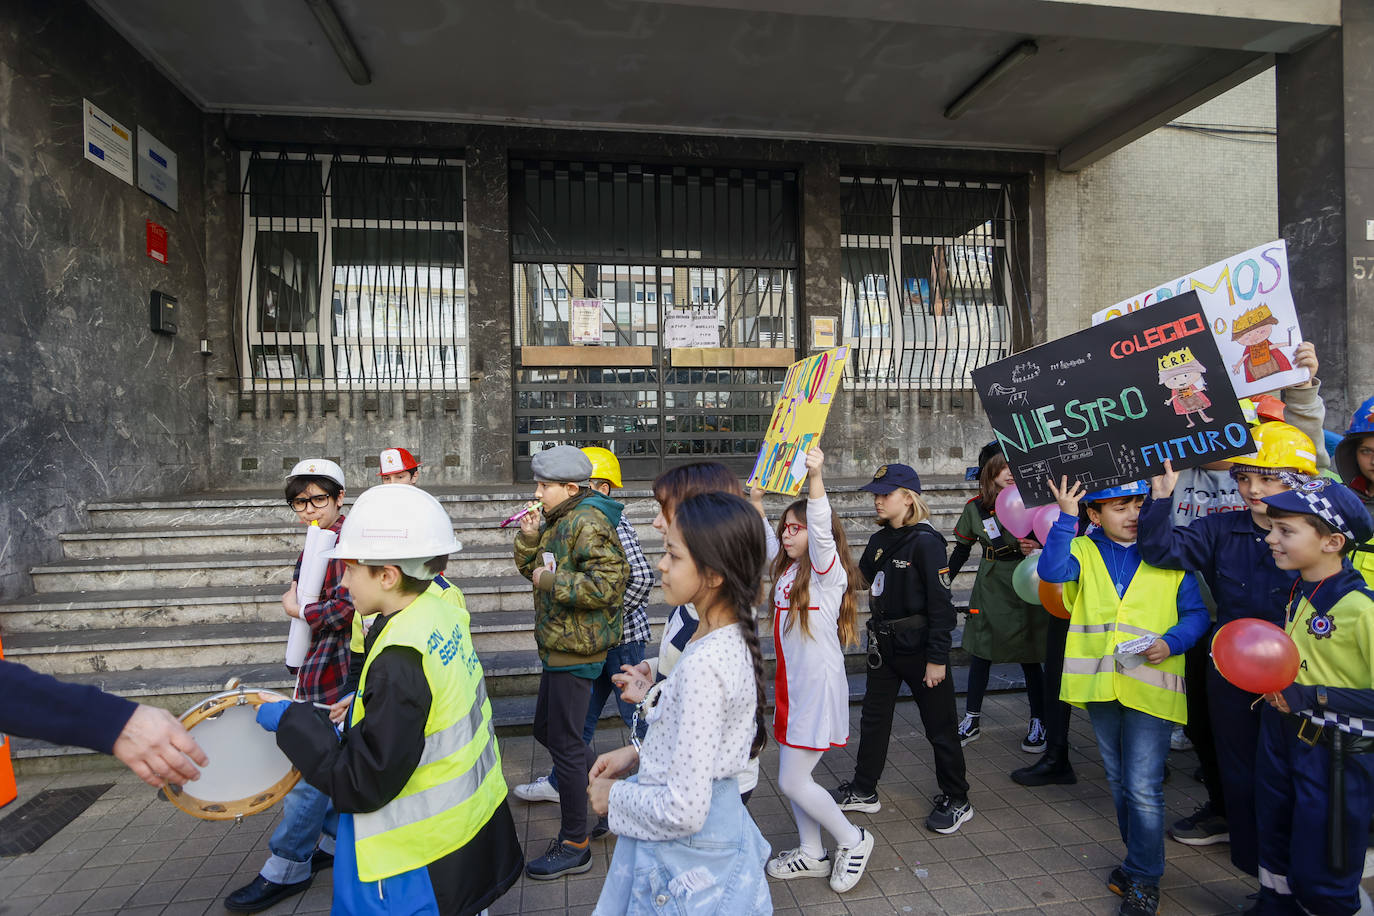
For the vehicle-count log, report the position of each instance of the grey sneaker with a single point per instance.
(949, 815)
(1201, 828)
(851, 799)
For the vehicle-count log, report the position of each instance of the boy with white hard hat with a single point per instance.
(301, 844)
(416, 775)
(397, 466)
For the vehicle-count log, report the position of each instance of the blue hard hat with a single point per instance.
(1134, 488)
(1362, 422)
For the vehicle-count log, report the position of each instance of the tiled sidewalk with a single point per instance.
(1026, 850)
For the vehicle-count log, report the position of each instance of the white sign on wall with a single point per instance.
(157, 169)
(108, 143)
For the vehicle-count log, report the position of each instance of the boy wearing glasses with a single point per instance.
(300, 845)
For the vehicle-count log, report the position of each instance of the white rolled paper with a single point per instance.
(308, 586)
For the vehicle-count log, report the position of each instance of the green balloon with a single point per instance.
(1026, 580)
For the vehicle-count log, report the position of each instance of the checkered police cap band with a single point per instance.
(1313, 492)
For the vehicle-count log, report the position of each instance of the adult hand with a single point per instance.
(1305, 357)
(934, 674)
(156, 746)
(1158, 651)
(1028, 546)
(1162, 486)
(1068, 497)
(289, 602)
(634, 682)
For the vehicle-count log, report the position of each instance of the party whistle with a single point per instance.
(521, 514)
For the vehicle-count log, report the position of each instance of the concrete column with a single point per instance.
(1325, 197)
(820, 244)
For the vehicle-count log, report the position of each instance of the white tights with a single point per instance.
(812, 806)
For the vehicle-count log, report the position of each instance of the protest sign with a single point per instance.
(1109, 404)
(1250, 310)
(798, 421)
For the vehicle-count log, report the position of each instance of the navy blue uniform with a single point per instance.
(1228, 550)
(39, 706)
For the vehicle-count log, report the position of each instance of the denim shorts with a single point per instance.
(718, 869)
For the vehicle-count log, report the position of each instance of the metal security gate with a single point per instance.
(655, 309)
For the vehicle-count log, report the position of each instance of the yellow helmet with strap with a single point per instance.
(1279, 445)
(605, 466)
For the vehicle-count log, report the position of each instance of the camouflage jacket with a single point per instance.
(579, 618)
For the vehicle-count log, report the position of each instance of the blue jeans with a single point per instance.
(306, 816)
(630, 653)
(717, 870)
(1134, 746)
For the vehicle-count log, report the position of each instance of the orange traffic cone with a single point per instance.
(8, 790)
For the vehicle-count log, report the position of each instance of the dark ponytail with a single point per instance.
(724, 534)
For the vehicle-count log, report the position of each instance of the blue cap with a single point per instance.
(1332, 502)
(1134, 488)
(891, 476)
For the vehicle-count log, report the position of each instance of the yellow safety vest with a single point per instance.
(448, 591)
(1100, 619)
(458, 783)
(1363, 561)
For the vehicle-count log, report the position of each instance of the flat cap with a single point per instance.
(562, 464)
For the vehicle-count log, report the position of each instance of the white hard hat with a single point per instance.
(318, 467)
(396, 524)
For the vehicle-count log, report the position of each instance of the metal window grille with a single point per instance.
(931, 285)
(353, 272)
(670, 256)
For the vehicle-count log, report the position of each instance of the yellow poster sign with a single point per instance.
(798, 421)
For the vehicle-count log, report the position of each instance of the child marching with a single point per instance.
(684, 835)
(814, 613)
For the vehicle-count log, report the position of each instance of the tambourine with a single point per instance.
(247, 773)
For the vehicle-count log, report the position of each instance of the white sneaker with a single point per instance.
(1178, 741)
(793, 863)
(850, 862)
(537, 791)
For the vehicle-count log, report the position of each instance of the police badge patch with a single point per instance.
(878, 581)
(944, 577)
(1321, 626)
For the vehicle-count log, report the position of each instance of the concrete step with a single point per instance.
(493, 503)
(287, 537)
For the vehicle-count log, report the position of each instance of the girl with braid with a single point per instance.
(683, 831)
(815, 612)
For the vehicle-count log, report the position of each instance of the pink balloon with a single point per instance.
(1041, 520)
(1012, 513)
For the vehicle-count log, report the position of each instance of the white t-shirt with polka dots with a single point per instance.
(700, 730)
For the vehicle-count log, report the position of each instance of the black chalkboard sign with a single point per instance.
(1109, 404)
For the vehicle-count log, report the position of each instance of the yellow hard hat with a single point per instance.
(1279, 445)
(605, 466)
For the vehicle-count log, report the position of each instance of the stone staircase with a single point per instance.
(164, 600)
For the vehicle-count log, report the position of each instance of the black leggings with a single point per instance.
(978, 670)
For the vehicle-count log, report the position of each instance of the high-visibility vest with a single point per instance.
(1363, 560)
(440, 586)
(458, 783)
(1100, 619)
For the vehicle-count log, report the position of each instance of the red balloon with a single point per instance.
(1052, 597)
(1255, 655)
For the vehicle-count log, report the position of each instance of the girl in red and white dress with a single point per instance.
(815, 609)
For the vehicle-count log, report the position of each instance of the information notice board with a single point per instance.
(1109, 404)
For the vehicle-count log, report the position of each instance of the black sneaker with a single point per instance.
(949, 815)
(320, 861)
(1034, 742)
(260, 894)
(561, 859)
(603, 827)
(851, 799)
(1201, 828)
(1119, 883)
(969, 731)
(1140, 900)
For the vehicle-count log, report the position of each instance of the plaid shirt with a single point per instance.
(325, 672)
(637, 587)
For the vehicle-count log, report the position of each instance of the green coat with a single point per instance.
(1000, 626)
(579, 617)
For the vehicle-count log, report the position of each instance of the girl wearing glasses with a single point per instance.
(815, 610)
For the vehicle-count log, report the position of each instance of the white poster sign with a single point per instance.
(677, 329)
(108, 143)
(584, 325)
(1250, 308)
(157, 169)
(705, 328)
